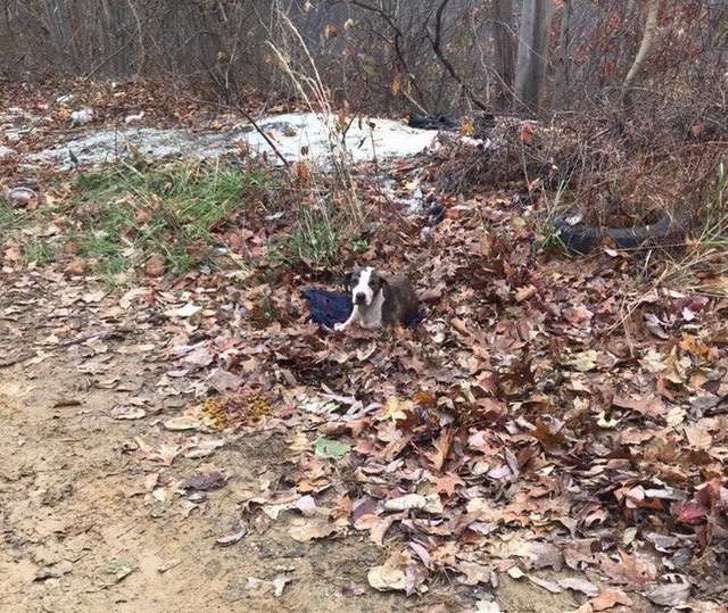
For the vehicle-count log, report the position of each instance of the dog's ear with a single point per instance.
(347, 281)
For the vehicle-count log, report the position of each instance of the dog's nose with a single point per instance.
(359, 298)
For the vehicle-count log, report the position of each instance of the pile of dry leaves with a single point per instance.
(549, 413)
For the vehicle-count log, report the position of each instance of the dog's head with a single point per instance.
(364, 284)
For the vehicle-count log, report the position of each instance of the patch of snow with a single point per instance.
(82, 117)
(297, 136)
(6, 152)
(134, 118)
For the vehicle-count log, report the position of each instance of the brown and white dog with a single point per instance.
(378, 299)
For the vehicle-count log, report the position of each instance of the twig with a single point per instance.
(437, 48)
(267, 138)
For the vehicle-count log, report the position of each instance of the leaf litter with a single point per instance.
(525, 425)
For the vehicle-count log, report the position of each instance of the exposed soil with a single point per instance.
(77, 502)
(551, 437)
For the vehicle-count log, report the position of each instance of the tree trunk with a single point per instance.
(59, 27)
(648, 37)
(532, 51)
(564, 72)
(504, 48)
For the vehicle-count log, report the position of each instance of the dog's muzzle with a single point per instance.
(360, 299)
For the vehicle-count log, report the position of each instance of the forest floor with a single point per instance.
(175, 435)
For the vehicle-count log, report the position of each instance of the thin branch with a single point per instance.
(267, 138)
(436, 42)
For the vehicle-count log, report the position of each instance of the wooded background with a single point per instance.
(390, 56)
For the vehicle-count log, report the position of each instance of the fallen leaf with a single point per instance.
(235, 537)
(279, 584)
(305, 531)
(328, 448)
(126, 412)
(583, 361)
(186, 311)
(610, 598)
(442, 448)
(447, 484)
(155, 266)
(669, 594)
(526, 292)
(202, 449)
(549, 586)
(177, 424)
(77, 266)
(389, 576)
(200, 357)
(645, 405)
(579, 585)
(474, 573)
(379, 526)
(397, 410)
(203, 482)
(119, 569)
(698, 437)
(430, 504)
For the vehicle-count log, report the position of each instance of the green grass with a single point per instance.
(315, 238)
(8, 220)
(548, 238)
(38, 252)
(125, 215)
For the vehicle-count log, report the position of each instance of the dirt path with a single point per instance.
(76, 517)
(94, 512)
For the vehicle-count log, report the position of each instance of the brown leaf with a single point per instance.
(579, 585)
(205, 481)
(525, 133)
(447, 483)
(650, 406)
(669, 595)
(305, 531)
(474, 573)
(698, 436)
(524, 293)
(76, 266)
(380, 526)
(610, 598)
(550, 586)
(390, 575)
(231, 539)
(551, 441)
(632, 570)
(155, 266)
(442, 448)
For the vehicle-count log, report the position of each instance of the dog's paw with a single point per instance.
(339, 327)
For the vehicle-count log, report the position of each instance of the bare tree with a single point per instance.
(564, 66)
(653, 8)
(532, 51)
(504, 46)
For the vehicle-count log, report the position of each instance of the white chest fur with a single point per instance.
(371, 316)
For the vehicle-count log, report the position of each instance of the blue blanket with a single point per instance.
(329, 308)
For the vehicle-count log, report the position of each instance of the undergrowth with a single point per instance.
(704, 264)
(125, 215)
(7, 220)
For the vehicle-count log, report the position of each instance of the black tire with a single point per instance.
(580, 239)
